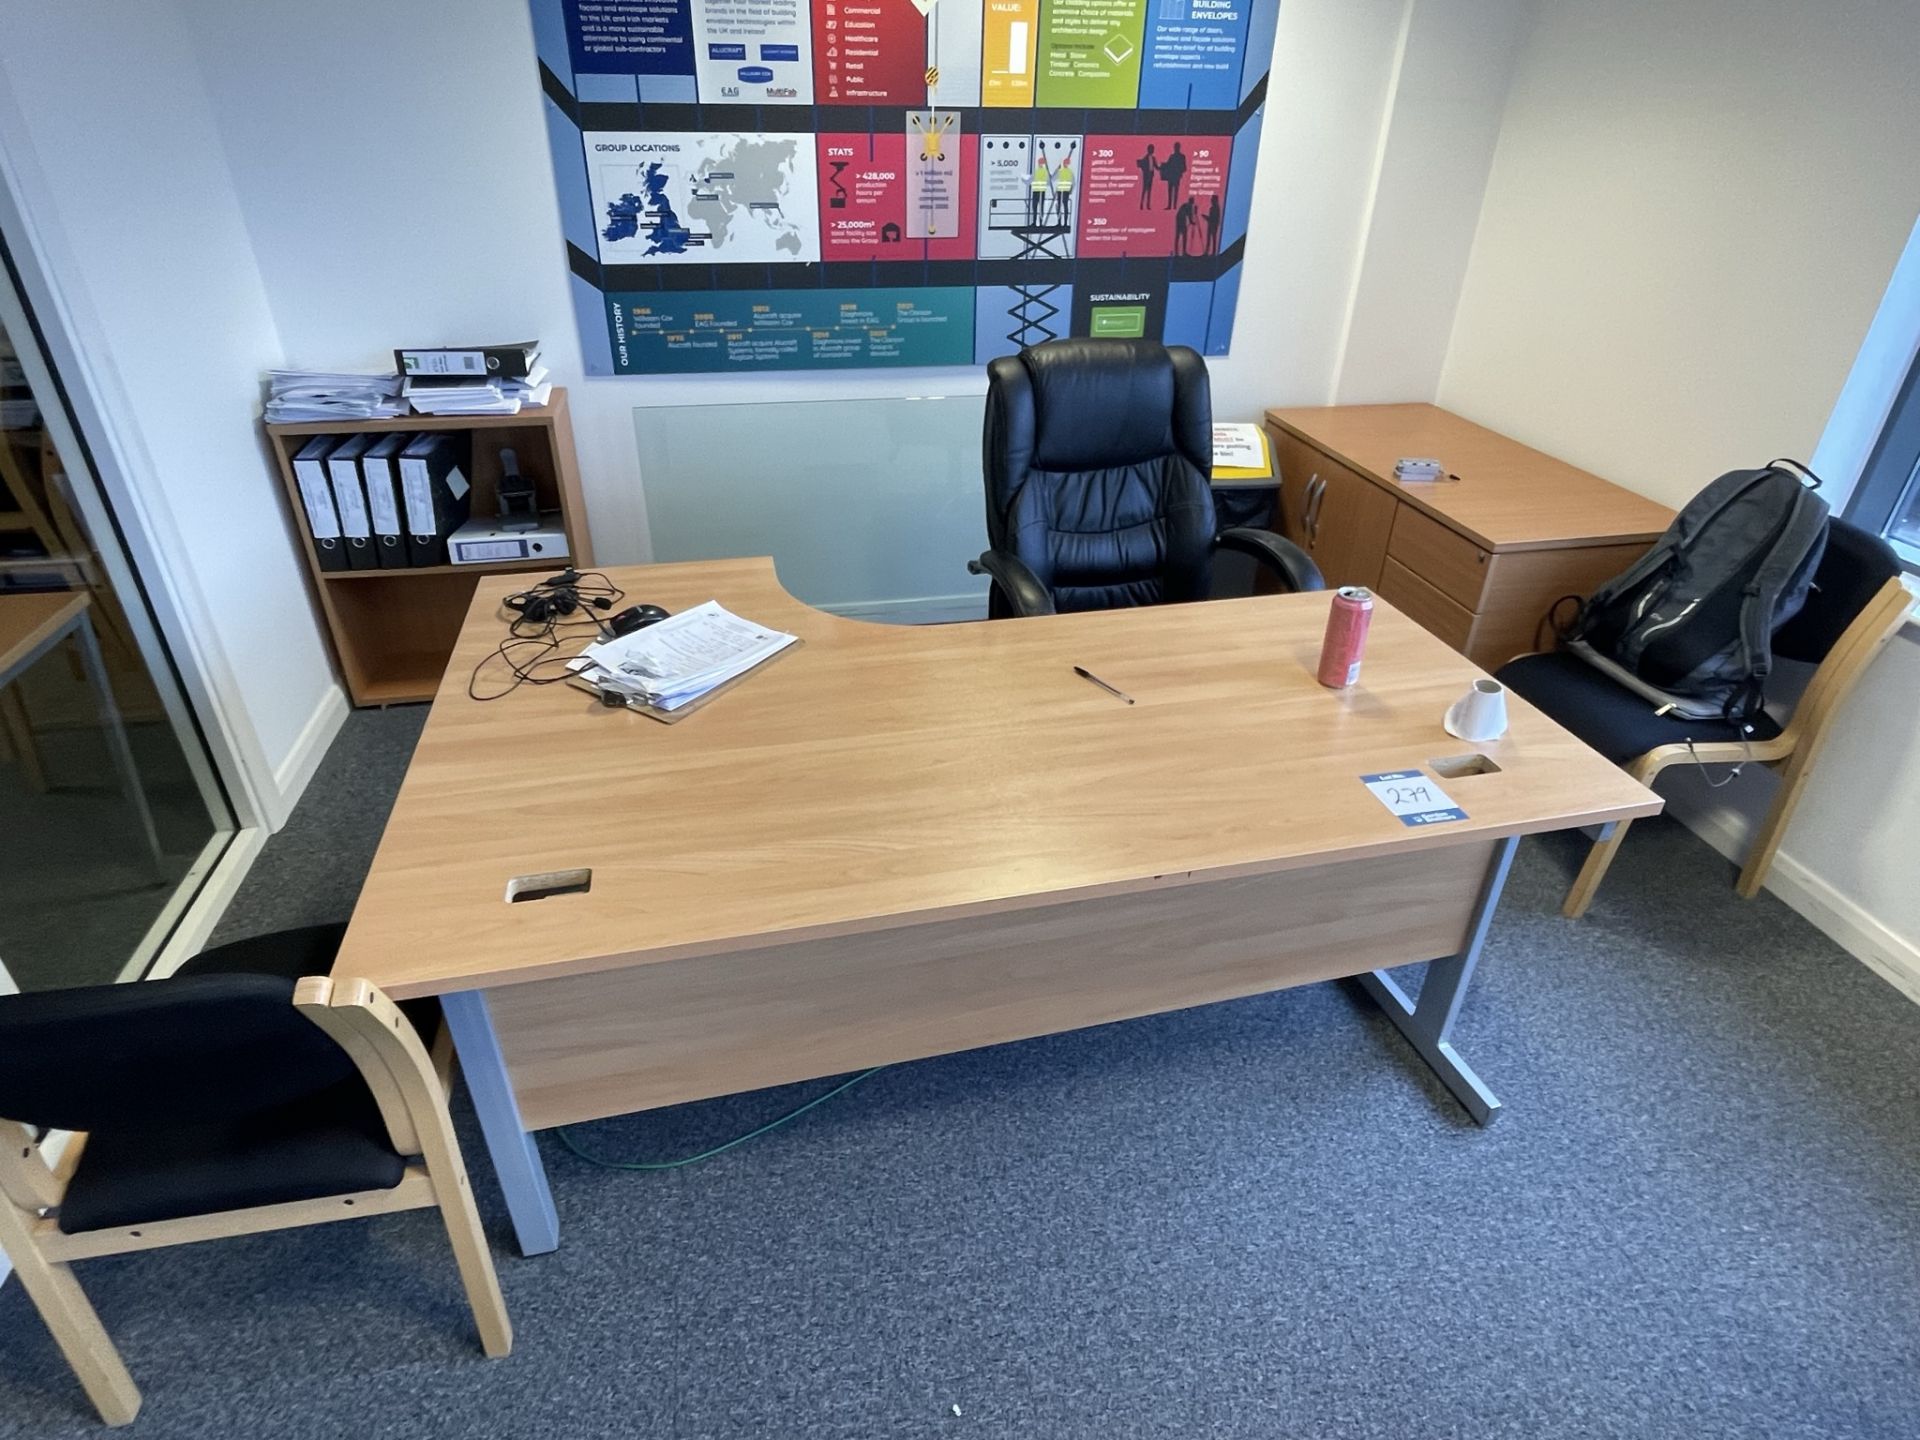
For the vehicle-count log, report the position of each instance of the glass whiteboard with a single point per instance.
(869, 507)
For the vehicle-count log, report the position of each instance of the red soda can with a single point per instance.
(1346, 640)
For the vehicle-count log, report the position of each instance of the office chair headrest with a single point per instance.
(1102, 403)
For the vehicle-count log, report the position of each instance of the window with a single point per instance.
(1887, 499)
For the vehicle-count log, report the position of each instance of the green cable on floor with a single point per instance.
(771, 1125)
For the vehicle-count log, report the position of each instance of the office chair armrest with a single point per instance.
(1277, 553)
(1025, 594)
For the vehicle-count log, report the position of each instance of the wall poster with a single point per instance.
(753, 185)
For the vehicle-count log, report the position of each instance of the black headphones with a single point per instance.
(559, 596)
(535, 632)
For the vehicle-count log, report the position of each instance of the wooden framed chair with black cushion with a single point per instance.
(1855, 607)
(222, 1102)
(311, 950)
(1098, 461)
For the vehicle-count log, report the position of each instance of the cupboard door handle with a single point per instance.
(1316, 493)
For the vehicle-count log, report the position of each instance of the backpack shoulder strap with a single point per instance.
(1806, 525)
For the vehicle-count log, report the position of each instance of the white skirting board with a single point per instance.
(189, 937)
(1894, 958)
(292, 774)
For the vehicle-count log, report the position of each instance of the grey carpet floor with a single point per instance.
(1699, 1217)
(310, 873)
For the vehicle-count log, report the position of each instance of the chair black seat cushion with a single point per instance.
(330, 1143)
(294, 955)
(1612, 719)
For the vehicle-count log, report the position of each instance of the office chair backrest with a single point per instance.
(160, 1052)
(1856, 565)
(1098, 458)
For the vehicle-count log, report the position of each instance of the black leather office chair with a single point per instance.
(1098, 455)
(249, 1092)
(1856, 605)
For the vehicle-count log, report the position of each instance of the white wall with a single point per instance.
(1694, 210)
(109, 137)
(1435, 147)
(392, 196)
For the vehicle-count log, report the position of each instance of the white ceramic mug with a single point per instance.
(1481, 713)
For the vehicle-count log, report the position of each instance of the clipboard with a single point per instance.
(673, 717)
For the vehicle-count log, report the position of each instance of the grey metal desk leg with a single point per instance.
(516, 1159)
(116, 733)
(1426, 1024)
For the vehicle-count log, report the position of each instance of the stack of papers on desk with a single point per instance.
(675, 662)
(297, 395)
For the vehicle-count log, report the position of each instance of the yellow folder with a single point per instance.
(1248, 472)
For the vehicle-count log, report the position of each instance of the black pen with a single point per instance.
(1086, 674)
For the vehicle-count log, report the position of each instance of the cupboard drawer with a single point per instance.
(1445, 559)
(1424, 605)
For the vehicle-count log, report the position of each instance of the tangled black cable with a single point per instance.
(542, 618)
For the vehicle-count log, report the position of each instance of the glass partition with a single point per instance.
(110, 812)
(867, 506)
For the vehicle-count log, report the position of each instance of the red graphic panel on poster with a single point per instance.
(1154, 194)
(863, 200)
(869, 52)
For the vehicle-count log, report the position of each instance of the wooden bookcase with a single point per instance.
(392, 630)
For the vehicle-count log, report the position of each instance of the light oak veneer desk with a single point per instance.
(894, 842)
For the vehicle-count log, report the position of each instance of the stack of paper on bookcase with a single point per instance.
(668, 666)
(477, 394)
(296, 395)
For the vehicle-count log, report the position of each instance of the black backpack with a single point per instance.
(1690, 624)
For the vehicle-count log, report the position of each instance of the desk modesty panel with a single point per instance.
(615, 1041)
